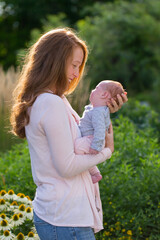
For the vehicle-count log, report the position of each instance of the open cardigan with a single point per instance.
(65, 194)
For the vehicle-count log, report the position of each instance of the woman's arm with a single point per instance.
(58, 133)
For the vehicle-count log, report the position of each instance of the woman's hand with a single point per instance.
(109, 140)
(113, 106)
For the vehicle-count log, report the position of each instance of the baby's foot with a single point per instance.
(96, 177)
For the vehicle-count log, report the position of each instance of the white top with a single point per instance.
(61, 197)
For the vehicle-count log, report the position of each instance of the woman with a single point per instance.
(66, 204)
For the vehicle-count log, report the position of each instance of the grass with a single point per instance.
(7, 84)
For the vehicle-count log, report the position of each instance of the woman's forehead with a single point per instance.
(78, 55)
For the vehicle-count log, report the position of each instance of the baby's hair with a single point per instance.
(114, 88)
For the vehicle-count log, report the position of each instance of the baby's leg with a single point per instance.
(82, 146)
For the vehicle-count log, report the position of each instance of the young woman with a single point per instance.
(67, 204)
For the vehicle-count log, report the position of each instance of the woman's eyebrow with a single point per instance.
(77, 61)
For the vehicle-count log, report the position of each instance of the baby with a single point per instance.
(95, 121)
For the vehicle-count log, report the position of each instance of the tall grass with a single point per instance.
(7, 83)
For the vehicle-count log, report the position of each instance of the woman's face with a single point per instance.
(73, 63)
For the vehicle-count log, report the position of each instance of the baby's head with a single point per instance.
(104, 91)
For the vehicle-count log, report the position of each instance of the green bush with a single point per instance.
(51, 22)
(130, 185)
(16, 170)
(124, 43)
(123, 38)
(142, 115)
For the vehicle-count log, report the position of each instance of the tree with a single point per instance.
(19, 17)
(124, 41)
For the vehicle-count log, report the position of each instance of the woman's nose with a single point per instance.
(76, 73)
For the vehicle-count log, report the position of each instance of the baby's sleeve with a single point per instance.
(98, 123)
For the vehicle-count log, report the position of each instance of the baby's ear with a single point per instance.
(106, 95)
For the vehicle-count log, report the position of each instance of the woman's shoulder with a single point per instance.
(48, 98)
(46, 101)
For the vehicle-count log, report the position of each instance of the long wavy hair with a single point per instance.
(45, 65)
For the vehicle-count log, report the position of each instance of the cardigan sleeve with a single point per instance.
(56, 127)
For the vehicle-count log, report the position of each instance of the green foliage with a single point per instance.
(6, 138)
(124, 43)
(51, 22)
(130, 184)
(123, 39)
(19, 17)
(142, 115)
(16, 170)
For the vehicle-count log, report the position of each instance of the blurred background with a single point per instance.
(123, 39)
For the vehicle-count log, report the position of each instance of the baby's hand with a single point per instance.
(93, 151)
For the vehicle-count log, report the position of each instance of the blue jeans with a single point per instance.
(47, 231)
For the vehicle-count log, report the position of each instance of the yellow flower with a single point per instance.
(107, 233)
(22, 207)
(21, 195)
(29, 213)
(118, 228)
(11, 192)
(2, 192)
(110, 203)
(3, 215)
(123, 230)
(117, 223)
(14, 203)
(10, 195)
(7, 235)
(28, 198)
(4, 225)
(16, 220)
(20, 236)
(129, 232)
(3, 205)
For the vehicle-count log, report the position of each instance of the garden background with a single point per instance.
(124, 45)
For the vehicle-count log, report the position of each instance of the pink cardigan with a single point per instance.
(65, 194)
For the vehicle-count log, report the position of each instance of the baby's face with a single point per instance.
(97, 94)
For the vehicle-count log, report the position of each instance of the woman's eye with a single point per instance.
(74, 66)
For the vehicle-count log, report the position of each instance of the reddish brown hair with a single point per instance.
(44, 66)
(114, 88)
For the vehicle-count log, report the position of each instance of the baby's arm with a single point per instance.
(98, 123)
